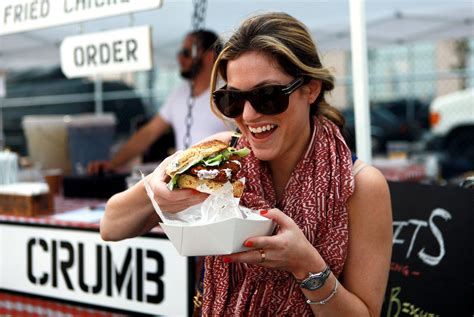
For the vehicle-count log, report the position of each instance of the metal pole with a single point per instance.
(3, 93)
(98, 95)
(360, 82)
(2, 135)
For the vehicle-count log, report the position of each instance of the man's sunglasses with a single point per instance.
(270, 99)
(185, 52)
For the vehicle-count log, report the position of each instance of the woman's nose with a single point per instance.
(249, 111)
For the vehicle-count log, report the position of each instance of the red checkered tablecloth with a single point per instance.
(62, 204)
(410, 173)
(397, 171)
(18, 305)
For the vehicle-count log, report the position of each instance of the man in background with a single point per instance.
(190, 118)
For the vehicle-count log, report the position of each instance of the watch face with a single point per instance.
(313, 283)
(316, 280)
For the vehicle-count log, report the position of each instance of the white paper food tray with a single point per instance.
(223, 237)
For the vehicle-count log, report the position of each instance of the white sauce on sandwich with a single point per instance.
(207, 174)
(236, 162)
(228, 172)
(211, 174)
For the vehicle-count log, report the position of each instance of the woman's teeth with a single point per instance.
(267, 127)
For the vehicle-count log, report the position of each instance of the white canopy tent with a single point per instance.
(386, 21)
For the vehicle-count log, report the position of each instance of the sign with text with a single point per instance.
(431, 273)
(26, 15)
(143, 275)
(123, 50)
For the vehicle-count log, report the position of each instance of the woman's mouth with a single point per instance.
(262, 132)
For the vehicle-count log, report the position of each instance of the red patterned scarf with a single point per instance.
(315, 198)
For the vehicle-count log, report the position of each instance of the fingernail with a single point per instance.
(196, 192)
(226, 259)
(263, 212)
(248, 244)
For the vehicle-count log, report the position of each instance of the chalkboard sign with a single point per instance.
(432, 266)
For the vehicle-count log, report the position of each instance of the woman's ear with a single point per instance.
(314, 86)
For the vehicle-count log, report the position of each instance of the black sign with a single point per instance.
(432, 266)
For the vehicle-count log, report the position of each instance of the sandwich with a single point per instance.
(206, 167)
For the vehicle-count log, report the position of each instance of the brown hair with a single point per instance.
(288, 41)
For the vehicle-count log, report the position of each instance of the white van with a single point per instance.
(452, 123)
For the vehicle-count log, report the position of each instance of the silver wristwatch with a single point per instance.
(315, 281)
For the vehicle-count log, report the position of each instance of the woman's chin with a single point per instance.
(263, 154)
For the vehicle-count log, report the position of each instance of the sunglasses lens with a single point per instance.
(185, 52)
(269, 100)
(229, 103)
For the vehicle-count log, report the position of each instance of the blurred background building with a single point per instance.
(417, 53)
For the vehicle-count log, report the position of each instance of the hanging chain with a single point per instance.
(188, 120)
(199, 14)
(197, 22)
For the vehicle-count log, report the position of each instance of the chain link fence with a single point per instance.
(404, 83)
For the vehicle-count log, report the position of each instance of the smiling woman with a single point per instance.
(330, 253)
(301, 167)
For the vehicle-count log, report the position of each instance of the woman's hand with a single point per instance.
(288, 250)
(172, 200)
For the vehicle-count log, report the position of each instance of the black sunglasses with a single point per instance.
(185, 52)
(270, 99)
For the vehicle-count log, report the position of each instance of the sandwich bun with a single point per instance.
(194, 154)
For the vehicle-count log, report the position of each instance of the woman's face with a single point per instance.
(272, 137)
